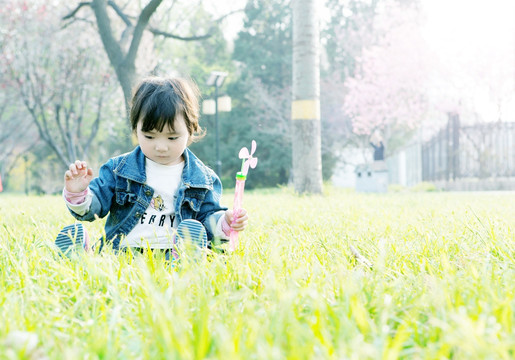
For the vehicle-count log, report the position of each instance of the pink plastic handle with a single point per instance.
(238, 203)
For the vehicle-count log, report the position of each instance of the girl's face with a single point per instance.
(165, 147)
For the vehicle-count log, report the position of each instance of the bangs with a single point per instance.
(158, 101)
(159, 109)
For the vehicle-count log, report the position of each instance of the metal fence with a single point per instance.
(480, 155)
(474, 151)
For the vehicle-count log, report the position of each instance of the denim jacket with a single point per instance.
(120, 190)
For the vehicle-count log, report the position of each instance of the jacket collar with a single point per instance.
(195, 174)
(132, 166)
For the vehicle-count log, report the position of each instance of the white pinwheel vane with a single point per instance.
(248, 159)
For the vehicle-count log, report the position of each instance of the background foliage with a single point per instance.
(378, 76)
(258, 61)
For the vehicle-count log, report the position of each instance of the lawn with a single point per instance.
(441, 286)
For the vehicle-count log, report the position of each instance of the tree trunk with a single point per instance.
(307, 158)
(123, 63)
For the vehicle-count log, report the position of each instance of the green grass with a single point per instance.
(441, 286)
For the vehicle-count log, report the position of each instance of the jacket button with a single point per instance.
(148, 192)
(137, 215)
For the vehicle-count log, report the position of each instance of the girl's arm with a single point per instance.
(75, 192)
(101, 190)
(79, 203)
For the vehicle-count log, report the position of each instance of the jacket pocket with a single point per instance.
(194, 204)
(123, 197)
(195, 199)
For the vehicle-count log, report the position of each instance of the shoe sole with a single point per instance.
(192, 231)
(71, 236)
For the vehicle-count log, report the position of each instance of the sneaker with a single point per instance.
(72, 237)
(192, 232)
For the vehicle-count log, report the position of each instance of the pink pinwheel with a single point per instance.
(250, 160)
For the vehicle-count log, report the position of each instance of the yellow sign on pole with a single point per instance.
(305, 110)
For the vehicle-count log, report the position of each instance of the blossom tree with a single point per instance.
(387, 93)
(345, 35)
(409, 76)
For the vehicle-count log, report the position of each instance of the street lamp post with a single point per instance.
(217, 130)
(216, 79)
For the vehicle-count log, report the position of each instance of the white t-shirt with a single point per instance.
(157, 225)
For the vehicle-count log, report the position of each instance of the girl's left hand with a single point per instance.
(240, 220)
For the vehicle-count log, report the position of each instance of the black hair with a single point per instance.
(157, 101)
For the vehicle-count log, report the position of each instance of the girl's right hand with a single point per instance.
(77, 177)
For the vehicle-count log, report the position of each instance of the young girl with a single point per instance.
(160, 188)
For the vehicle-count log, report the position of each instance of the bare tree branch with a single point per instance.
(74, 11)
(4, 135)
(94, 127)
(178, 37)
(44, 134)
(123, 62)
(193, 37)
(143, 19)
(187, 14)
(113, 49)
(87, 21)
(63, 131)
(53, 75)
(221, 18)
(120, 13)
